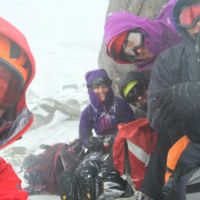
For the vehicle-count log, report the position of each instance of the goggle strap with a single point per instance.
(129, 87)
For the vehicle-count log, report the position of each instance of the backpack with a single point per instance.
(132, 148)
(42, 171)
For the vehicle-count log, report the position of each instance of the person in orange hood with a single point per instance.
(17, 69)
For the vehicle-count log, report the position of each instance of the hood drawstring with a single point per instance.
(197, 47)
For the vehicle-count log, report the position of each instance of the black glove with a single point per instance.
(95, 144)
(178, 101)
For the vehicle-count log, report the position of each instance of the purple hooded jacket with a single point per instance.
(160, 33)
(102, 117)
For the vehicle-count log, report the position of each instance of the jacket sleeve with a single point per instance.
(10, 184)
(85, 126)
(161, 79)
(127, 114)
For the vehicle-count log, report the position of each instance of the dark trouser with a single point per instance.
(154, 177)
(110, 174)
(91, 166)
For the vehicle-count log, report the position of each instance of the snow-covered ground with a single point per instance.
(65, 37)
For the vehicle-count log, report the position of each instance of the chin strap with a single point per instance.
(197, 46)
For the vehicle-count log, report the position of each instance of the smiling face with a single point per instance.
(101, 92)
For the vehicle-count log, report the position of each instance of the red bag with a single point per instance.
(136, 140)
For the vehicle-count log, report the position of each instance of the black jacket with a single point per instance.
(177, 64)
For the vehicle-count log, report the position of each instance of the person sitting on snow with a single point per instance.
(173, 100)
(133, 88)
(17, 69)
(133, 39)
(105, 110)
(102, 115)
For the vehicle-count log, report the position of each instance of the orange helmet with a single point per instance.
(13, 72)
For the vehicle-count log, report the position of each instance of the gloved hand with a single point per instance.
(178, 101)
(95, 144)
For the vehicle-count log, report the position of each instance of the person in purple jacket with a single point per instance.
(133, 39)
(105, 110)
(102, 115)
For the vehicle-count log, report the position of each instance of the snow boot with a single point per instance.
(66, 185)
(111, 190)
(86, 178)
(141, 196)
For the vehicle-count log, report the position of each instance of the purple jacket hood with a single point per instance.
(160, 33)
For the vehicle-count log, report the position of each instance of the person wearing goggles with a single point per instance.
(17, 69)
(102, 116)
(133, 88)
(133, 39)
(133, 49)
(174, 102)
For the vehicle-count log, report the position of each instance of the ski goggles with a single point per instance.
(133, 91)
(11, 85)
(189, 16)
(100, 81)
(129, 52)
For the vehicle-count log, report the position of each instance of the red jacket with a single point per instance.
(134, 142)
(10, 184)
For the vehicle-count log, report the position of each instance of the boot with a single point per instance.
(141, 196)
(67, 185)
(112, 190)
(86, 176)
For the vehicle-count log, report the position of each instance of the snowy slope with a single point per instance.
(65, 37)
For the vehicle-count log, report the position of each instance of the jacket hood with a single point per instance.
(159, 33)
(98, 73)
(23, 117)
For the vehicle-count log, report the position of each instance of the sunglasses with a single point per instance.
(133, 42)
(189, 16)
(99, 82)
